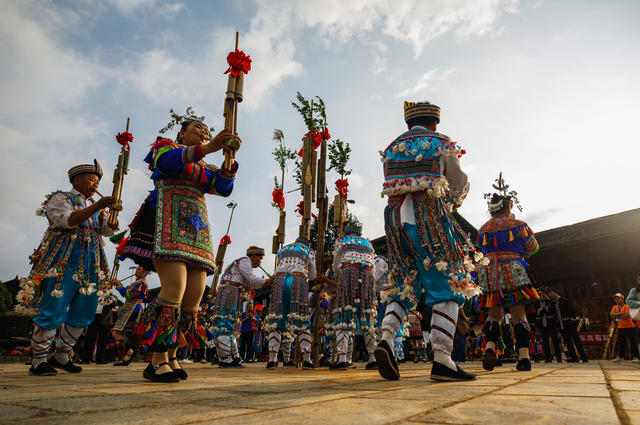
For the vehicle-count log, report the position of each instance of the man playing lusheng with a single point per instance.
(69, 269)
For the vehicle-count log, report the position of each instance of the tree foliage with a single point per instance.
(339, 154)
(314, 117)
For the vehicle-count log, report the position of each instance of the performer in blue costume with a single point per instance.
(69, 269)
(130, 313)
(506, 242)
(354, 306)
(236, 284)
(428, 250)
(171, 236)
(289, 316)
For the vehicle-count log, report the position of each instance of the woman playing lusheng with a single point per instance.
(506, 241)
(171, 235)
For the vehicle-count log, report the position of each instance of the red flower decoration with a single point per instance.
(278, 198)
(226, 240)
(124, 139)
(238, 62)
(342, 186)
(325, 134)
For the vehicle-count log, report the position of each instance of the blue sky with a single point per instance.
(545, 91)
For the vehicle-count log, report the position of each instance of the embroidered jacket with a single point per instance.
(352, 249)
(297, 258)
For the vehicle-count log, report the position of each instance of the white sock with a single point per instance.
(444, 359)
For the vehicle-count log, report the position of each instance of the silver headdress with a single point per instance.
(504, 196)
(179, 119)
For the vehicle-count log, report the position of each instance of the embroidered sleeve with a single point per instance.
(59, 209)
(245, 269)
(531, 245)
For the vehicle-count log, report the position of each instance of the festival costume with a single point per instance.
(288, 316)
(236, 284)
(69, 273)
(130, 313)
(428, 250)
(172, 225)
(354, 309)
(505, 243)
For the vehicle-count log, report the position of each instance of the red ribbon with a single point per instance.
(278, 198)
(238, 62)
(226, 240)
(300, 210)
(342, 186)
(121, 245)
(124, 139)
(316, 137)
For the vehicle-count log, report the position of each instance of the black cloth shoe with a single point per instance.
(167, 377)
(288, 364)
(371, 366)
(489, 360)
(585, 360)
(548, 360)
(416, 359)
(272, 365)
(387, 366)
(308, 366)
(341, 366)
(237, 363)
(123, 363)
(181, 373)
(573, 361)
(228, 365)
(440, 372)
(67, 367)
(43, 369)
(524, 365)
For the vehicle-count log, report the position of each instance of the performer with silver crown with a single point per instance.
(428, 250)
(354, 308)
(69, 269)
(236, 283)
(171, 235)
(289, 316)
(506, 242)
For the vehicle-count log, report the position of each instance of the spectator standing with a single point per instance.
(547, 319)
(98, 331)
(626, 329)
(567, 318)
(249, 326)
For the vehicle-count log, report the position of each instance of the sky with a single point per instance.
(546, 92)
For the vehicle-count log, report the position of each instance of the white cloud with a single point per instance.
(426, 83)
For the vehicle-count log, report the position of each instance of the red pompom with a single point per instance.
(238, 62)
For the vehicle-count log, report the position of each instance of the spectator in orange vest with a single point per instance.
(626, 329)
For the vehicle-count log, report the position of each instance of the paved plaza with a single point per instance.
(594, 393)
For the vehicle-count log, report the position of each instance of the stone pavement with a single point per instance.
(593, 393)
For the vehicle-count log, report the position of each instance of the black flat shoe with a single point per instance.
(308, 366)
(341, 366)
(288, 364)
(123, 363)
(489, 361)
(167, 377)
(371, 366)
(67, 367)
(524, 365)
(387, 366)
(272, 365)
(43, 369)
(440, 372)
(237, 363)
(181, 373)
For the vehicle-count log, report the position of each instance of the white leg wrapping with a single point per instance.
(223, 347)
(443, 328)
(350, 348)
(273, 342)
(370, 343)
(41, 344)
(393, 318)
(234, 348)
(342, 345)
(286, 349)
(304, 340)
(68, 337)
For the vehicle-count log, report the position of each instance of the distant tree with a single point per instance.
(332, 232)
(6, 299)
